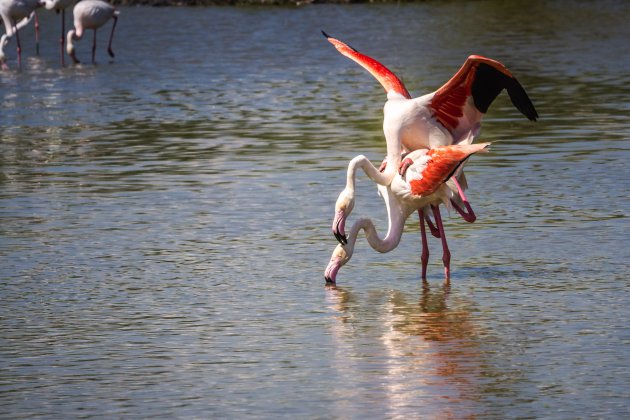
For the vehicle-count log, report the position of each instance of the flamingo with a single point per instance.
(444, 117)
(91, 14)
(15, 15)
(59, 6)
(423, 183)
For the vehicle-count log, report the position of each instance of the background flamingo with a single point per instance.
(15, 15)
(91, 14)
(450, 115)
(60, 6)
(422, 184)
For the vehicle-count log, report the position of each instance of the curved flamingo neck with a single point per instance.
(396, 216)
(382, 178)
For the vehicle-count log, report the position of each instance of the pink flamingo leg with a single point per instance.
(470, 217)
(63, 38)
(446, 255)
(36, 34)
(19, 46)
(94, 48)
(111, 38)
(425, 246)
(434, 230)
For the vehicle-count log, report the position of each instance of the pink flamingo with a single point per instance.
(59, 6)
(91, 14)
(450, 115)
(422, 184)
(15, 15)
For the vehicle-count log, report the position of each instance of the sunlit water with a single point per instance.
(165, 220)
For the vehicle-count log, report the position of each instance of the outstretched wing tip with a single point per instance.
(521, 100)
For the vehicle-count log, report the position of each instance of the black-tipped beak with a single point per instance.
(342, 239)
(325, 34)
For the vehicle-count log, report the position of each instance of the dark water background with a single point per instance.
(164, 220)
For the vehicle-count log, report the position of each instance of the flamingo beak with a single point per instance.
(339, 227)
(330, 275)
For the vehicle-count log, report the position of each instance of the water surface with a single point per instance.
(164, 220)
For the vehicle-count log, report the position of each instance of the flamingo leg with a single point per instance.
(111, 38)
(470, 217)
(94, 48)
(19, 46)
(434, 230)
(36, 34)
(63, 38)
(425, 247)
(446, 255)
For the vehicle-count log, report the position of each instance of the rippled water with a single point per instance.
(164, 220)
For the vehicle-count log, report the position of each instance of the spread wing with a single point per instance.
(426, 175)
(481, 79)
(385, 76)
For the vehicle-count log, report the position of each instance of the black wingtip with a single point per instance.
(328, 37)
(519, 98)
(489, 82)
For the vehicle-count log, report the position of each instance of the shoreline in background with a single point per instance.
(165, 3)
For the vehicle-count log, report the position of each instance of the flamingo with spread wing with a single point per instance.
(449, 116)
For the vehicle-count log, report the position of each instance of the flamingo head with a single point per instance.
(343, 207)
(3, 43)
(70, 46)
(339, 258)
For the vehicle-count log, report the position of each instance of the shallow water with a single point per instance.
(164, 220)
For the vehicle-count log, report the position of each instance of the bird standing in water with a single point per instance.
(91, 14)
(449, 116)
(15, 15)
(60, 6)
(422, 184)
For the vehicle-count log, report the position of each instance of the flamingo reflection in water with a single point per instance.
(418, 356)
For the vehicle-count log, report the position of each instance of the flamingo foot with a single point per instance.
(434, 230)
(468, 216)
(404, 165)
(339, 227)
(110, 52)
(383, 165)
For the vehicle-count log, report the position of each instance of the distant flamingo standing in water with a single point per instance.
(422, 184)
(15, 15)
(91, 14)
(60, 6)
(450, 115)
